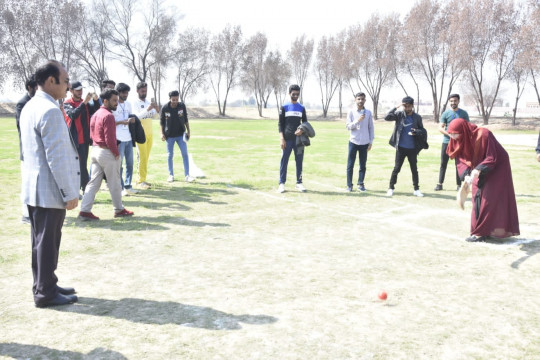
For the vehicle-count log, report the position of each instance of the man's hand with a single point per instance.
(369, 147)
(130, 120)
(88, 98)
(398, 106)
(362, 117)
(283, 144)
(298, 132)
(72, 204)
(538, 157)
(475, 173)
(163, 138)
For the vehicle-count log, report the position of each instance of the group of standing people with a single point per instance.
(480, 160)
(55, 136)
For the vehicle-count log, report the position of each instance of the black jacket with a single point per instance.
(136, 130)
(81, 114)
(18, 109)
(399, 117)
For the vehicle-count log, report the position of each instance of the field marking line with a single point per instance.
(372, 216)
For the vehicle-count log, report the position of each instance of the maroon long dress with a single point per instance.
(494, 210)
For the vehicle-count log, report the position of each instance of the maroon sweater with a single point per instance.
(103, 130)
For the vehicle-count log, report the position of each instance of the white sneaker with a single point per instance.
(189, 178)
(281, 188)
(418, 193)
(300, 187)
(170, 178)
(125, 192)
(144, 185)
(390, 192)
(131, 191)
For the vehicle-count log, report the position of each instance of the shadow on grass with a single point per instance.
(187, 193)
(24, 351)
(139, 223)
(531, 247)
(164, 312)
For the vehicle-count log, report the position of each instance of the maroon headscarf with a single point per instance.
(471, 144)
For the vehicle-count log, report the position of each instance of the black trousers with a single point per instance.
(82, 149)
(444, 164)
(46, 232)
(401, 154)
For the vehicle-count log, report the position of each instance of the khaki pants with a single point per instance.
(103, 162)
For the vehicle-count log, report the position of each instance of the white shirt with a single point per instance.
(120, 114)
(139, 109)
(362, 133)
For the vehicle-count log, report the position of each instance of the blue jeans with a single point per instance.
(126, 151)
(299, 158)
(170, 154)
(362, 151)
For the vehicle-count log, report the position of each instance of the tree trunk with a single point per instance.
(535, 87)
(340, 101)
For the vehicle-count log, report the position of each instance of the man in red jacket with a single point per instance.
(79, 111)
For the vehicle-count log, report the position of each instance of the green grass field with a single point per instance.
(226, 268)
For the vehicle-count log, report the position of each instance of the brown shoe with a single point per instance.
(124, 212)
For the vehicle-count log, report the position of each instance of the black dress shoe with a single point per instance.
(474, 238)
(66, 290)
(59, 300)
(438, 187)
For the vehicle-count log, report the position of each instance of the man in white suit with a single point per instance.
(51, 177)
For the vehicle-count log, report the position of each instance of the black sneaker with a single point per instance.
(439, 187)
(361, 187)
(474, 238)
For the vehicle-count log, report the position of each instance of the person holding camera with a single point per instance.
(79, 112)
(145, 111)
(408, 124)
(175, 129)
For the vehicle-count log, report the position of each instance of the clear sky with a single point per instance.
(283, 20)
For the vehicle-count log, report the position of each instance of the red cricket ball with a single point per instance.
(383, 295)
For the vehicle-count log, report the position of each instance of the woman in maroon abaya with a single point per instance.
(481, 157)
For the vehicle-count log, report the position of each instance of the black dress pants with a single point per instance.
(46, 232)
(401, 154)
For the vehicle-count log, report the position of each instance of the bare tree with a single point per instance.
(529, 40)
(431, 47)
(300, 56)
(341, 66)
(226, 50)
(373, 45)
(193, 61)
(36, 31)
(278, 72)
(487, 46)
(90, 47)
(324, 72)
(135, 42)
(254, 79)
